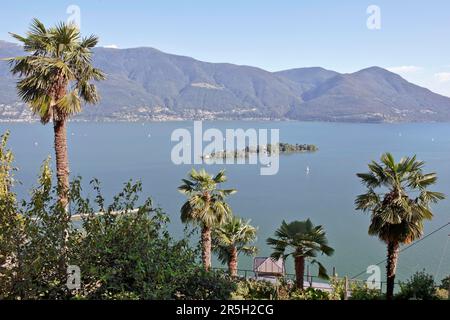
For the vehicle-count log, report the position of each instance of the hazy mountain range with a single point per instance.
(147, 84)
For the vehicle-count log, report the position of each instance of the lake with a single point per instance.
(116, 152)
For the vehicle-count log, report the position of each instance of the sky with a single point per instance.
(411, 38)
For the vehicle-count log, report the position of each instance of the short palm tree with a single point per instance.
(303, 241)
(232, 238)
(205, 206)
(55, 78)
(399, 201)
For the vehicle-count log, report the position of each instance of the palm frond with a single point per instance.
(59, 66)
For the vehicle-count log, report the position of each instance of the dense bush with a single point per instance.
(199, 284)
(37, 244)
(249, 289)
(310, 294)
(124, 252)
(121, 256)
(360, 291)
(420, 286)
(337, 288)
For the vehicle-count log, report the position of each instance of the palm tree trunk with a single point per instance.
(232, 264)
(391, 267)
(62, 161)
(206, 247)
(299, 271)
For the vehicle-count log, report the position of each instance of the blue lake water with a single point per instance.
(116, 152)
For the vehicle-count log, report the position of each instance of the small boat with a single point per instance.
(267, 165)
(307, 170)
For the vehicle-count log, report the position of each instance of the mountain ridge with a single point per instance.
(145, 83)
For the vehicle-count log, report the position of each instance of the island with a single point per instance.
(281, 148)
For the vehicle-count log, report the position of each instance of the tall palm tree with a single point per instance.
(303, 241)
(399, 202)
(205, 206)
(231, 238)
(55, 79)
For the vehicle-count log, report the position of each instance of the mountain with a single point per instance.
(372, 94)
(7, 82)
(147, 84)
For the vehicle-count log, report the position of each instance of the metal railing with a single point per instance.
(309, 280)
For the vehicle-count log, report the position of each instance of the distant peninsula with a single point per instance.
(269, 149)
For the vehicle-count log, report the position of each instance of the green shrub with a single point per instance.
(360, 291)
(125, 252)
(310, 294)
(250, 289)
(420, 286)
(206, 285)
(338, 288)
(37, 245)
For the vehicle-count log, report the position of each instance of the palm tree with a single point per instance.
(303, 241)
(55, 78)
(205, 206)
(231, 238)
(400, 206)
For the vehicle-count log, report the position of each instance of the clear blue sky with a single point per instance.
(414, 39)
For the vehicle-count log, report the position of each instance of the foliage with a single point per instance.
(360, 291)
(442, 294)
(130, 252)
(6, 166)
(235, 234)
(338, 288)
(56, 77)
(310, 294)
(205, 206)
(445, 283)
(399, 201)
(11, 223)
(250, 289)
(38, 253)
(300, 238)
(200, 284)
(123, 249)
(206, 203)
(420, 286)
(396, 215)
(291, 148)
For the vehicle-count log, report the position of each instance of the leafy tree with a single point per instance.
(303, 241)
(310, 294)
(10, 221)
(251, 289)
(205, 206)
(36, 260)
(6, 166)
(420, 286)
(232, 238)
(55, 78)
(399, 200)
(132, 255)
(123, 249)
(363, 292)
